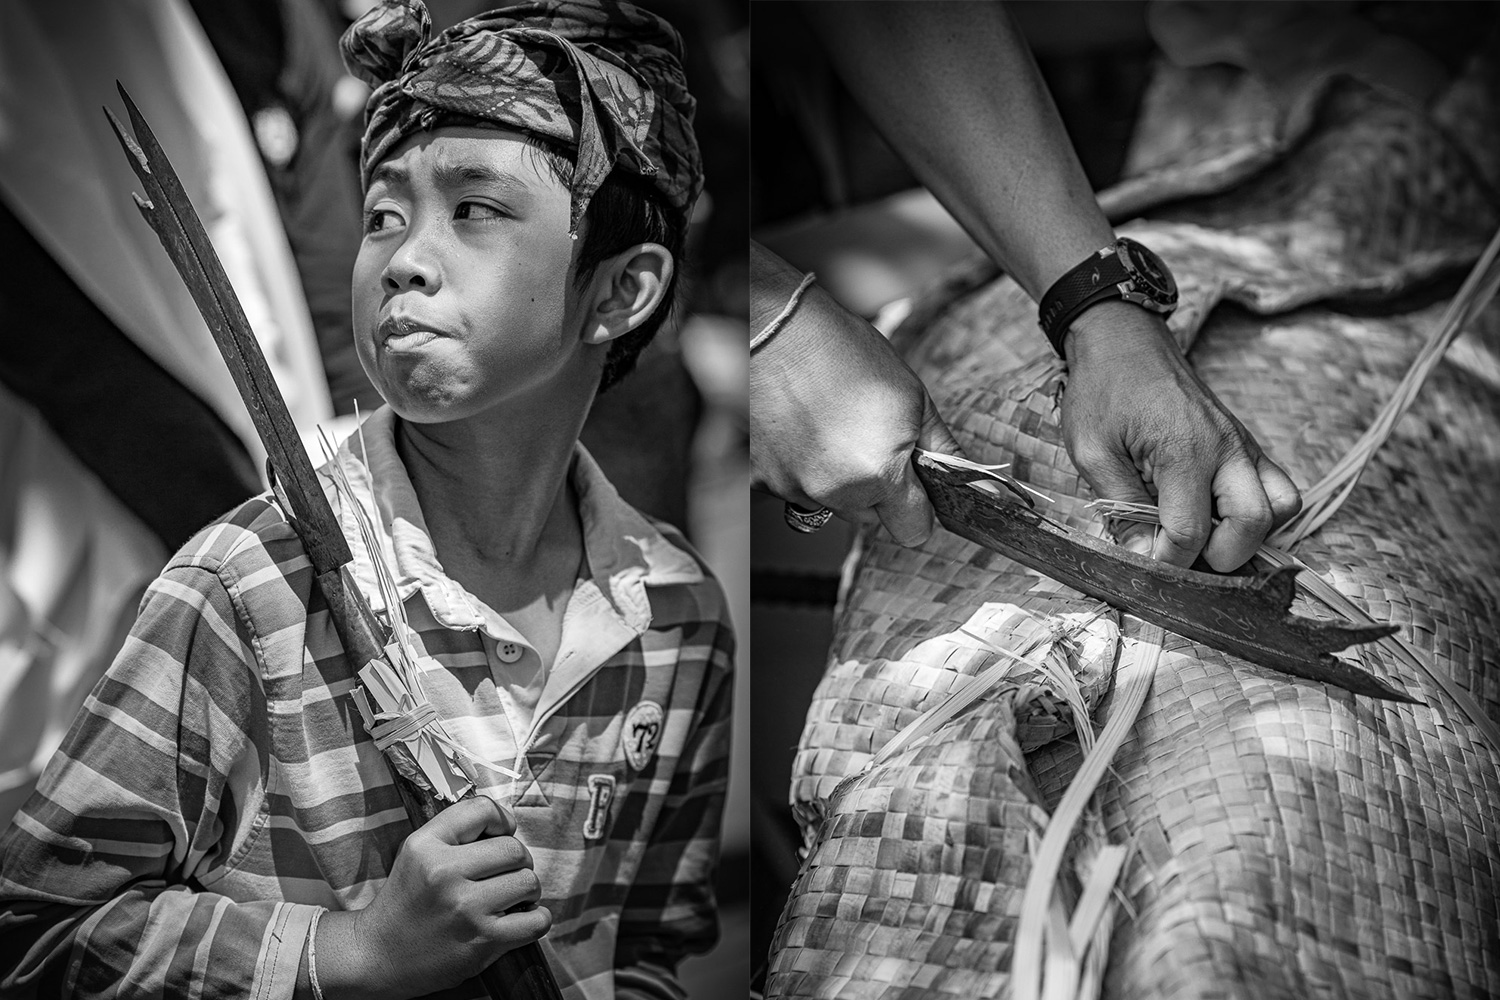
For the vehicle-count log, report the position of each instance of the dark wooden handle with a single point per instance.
(521, 974)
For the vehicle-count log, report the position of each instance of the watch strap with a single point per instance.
(1094, 280)
(1123, 270)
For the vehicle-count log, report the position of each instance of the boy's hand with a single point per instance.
(443, 914)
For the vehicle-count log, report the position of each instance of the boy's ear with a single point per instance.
(629, 287)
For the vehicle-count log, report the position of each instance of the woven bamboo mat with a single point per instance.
(915, 887)
(1291, 840)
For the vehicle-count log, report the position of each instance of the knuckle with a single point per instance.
(419, 843)
(487, 808)
(424, 865)
(1257, 519)
(1089, 454)
(873, 477)
(469, 916)
(442, 874)
(1186, 535)
(513, 854)
(1260, 519)
(506, 817)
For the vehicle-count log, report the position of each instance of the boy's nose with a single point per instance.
(409, 269)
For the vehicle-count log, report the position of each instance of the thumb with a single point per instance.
(906, 512)
(1184, 503)
(934, 434)
(1113, 476)
(469, 820)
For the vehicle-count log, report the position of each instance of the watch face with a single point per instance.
(1149, 271)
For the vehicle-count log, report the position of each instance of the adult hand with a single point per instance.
(447, 910)
(1141, 427)
(835, 414)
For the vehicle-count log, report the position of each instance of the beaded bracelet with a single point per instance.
(312, 955)
(773, 327)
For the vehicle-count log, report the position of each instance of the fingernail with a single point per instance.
(1138, 538)
(915, 540)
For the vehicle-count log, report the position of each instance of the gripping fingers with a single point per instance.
(934, 434)
(468, 820)
(495, 856)
(1284, 497)
(1244, 511)
(522, 926)
(1183, 499)
(1113, 476)
(907, 513)
(515, 890)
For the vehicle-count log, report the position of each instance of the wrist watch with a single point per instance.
(1123, 270)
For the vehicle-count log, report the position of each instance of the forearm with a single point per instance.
(953, 88)
(165, 941)
(100, 871)
(772, 283)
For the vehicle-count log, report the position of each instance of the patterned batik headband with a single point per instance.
(601, 79)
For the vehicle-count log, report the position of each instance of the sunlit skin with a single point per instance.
(463, 298)
(470, 324)
(469, 321)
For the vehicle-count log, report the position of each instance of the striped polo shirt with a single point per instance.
(217, 788)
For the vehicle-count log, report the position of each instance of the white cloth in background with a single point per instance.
(73, 565)
(73, 560)
(64, 175)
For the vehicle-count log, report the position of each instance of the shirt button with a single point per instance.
(509, 652)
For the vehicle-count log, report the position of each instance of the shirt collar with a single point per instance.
(625, 552)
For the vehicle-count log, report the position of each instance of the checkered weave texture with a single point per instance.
(1292, 840)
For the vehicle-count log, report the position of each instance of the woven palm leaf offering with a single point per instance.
(1008, 789)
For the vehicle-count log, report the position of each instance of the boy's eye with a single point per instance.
(377, 219)
(477, 210)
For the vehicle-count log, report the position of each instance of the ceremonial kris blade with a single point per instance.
(1247, 616)
(521, 974)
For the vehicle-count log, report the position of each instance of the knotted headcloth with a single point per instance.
(603, 79)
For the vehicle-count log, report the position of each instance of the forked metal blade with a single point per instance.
(169, 212)
(1246, 616)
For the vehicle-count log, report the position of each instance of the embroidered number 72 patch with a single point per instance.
(642, 734)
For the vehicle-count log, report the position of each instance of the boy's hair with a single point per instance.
(622, 213)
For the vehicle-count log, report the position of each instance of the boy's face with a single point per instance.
(463, 291)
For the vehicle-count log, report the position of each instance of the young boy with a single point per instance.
(217, 823)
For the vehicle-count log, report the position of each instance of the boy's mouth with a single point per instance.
(401, 334)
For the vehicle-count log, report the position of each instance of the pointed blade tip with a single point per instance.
(145, 138)
(1389, 692)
